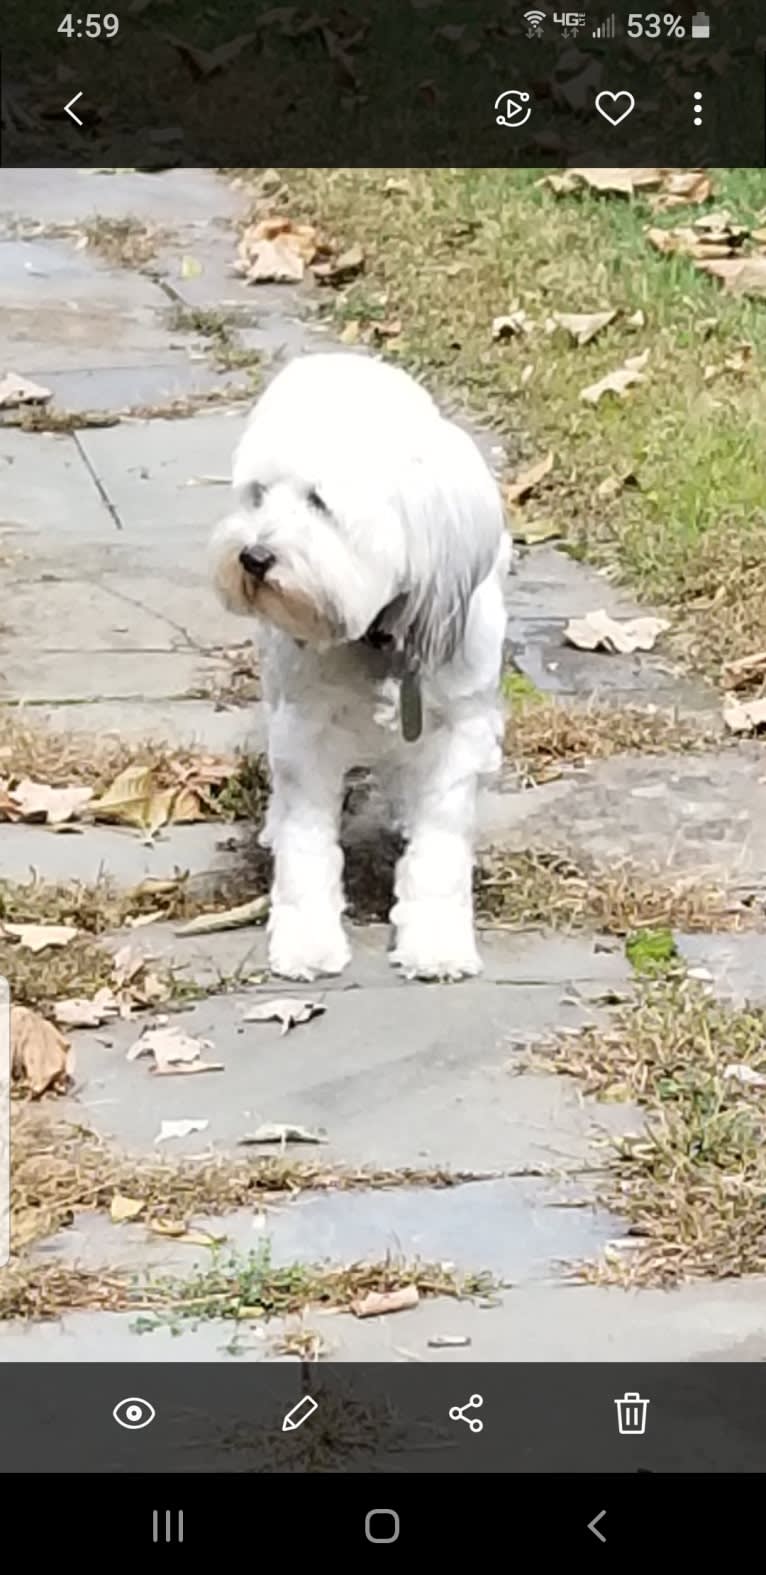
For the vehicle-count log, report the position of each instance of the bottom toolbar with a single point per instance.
(418, 1419)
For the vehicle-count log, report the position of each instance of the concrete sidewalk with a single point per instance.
(108, 624)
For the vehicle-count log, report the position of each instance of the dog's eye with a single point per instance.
(317, 502)
(254, 494)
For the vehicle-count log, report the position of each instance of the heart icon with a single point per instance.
(606, 104)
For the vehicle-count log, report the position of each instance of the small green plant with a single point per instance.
(651, 951)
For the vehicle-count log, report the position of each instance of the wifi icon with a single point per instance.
(534, 21)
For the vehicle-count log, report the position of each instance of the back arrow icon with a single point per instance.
(593, 1525)
(70, 112)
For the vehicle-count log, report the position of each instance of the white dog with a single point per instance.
(367, 537)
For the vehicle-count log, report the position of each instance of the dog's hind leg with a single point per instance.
(306, 936)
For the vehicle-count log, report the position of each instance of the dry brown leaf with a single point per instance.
(180, 1129)
(337, 270)
(40, 1056)
(612, 486)
(617, 182)
(178, 1231)
(122, 1208)
(36, 937)
(533, 533)
(128, 798)
(15, 390)
(583, 326)
(744, 716)
(173, 1051)
(37, 801)
(511, 325)
(597, 631)
(228, 919)
(281, 1132)
(740, 275)
(617, 382)
(387, 330)
(376, 1303)
(287, 1011)
(713, 236)
(127, 964)
(185, 807)
(205, 62)
(276, 251)
(134, 799)
(78, 1012)
(683, 186)
(526, 481)
(275, 262)
(743, 672)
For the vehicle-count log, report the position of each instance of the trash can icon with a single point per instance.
(631, 1414)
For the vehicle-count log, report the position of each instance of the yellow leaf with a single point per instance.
(128, 797)
(190, 268)
(122, 1208)
(39, 936)
(178, 1231)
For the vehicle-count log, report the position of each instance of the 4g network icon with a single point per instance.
(570, 22)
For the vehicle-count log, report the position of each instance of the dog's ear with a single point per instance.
(454, 524)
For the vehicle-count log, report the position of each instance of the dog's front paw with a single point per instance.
(436, 944)
(305, 943)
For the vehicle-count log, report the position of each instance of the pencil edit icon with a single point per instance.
(299, 1414)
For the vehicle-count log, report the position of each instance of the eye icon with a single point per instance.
(134, 1413)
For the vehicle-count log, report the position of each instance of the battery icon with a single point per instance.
(700, 25)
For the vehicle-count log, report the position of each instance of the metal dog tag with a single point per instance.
(411, 705)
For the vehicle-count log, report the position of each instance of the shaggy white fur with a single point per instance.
(367, 538)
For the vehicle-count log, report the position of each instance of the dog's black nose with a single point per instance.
(257, 561)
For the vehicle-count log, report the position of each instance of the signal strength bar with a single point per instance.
(607, 29)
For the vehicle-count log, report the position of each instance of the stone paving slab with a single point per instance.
(145, 469)
(544, 590)
(702, 813)
(736, 964)
(440, 1085)
(112, 851)
(171, 197)
(158, 384)
(45, 614)
(512, 1229)
(179, 724)
(76, 675)
(46, 487)
(591, 964)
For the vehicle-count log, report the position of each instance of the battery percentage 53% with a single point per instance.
(655, 25)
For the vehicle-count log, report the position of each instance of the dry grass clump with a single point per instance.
(692, 1185)
(543, 735)
(527, 889)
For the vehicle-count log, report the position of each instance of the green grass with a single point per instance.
(651, 951)
(446, 251)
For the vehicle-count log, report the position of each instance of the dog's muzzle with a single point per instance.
(257, 561)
